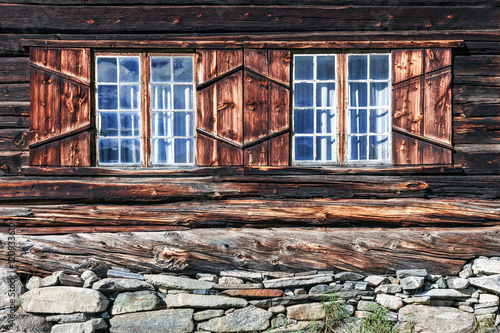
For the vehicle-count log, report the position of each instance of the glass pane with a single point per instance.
(160, 69)
(106, 70)
(358, 121)
(109, 123)
(183, 124)
(183, 97)
(162, 123)
(304, 121)
(324, 148)
(304, 66)
(303, 95)
(183, 69)
(303, 148)
(358, 94)
(161, 150)
(184, 152)
(129, 97)
(107, 97)
(379, 121)
(129, 69)
(378, 147)
(379, 94)
(325, 94)
(161, 97)
(358, 67)
(358, 148)
(325, 121)
(108, 150)
(379, 67)
(129, 124)
(326, 68)
(130, 151)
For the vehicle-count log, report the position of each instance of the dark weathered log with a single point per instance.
(14, 70)
(18, 109)
(14, 92)
(476, 130)
(14, 122)
(257, 213)
(476, 110)
(13, 139)
(483, 47)
(479, 159)
(440, 251)
(479, 80)
(468, 94)
(10, 162)
(486, 65)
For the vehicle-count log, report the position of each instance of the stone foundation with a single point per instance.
(241, 301)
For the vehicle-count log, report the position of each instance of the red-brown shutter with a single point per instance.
(60, 123)
(243, 107)
(422, 114)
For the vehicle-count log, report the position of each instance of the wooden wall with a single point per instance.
(460, 204)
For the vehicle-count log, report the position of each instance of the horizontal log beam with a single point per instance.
(479, 158)
(484, 130)
(14, 92)
(376, 251)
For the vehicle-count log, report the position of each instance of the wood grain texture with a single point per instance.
(14, 92)
(14, 70)
(256, 106)
(405, 150)
(437, 106)
(485, 130)
(407, 106)
(407, 64)
(478, 158)
(279, 150)
(436, 59)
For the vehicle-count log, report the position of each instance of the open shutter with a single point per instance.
(422, 114)
(243, 107)
(60, 121)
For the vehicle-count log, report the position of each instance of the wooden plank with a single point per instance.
(279, 65)
(17, 109)
(10, 162)
(206, 65)
(228, 155)
(14, 70)
(75, 106)
(377, 251)
(478, 80)
(476, 110)
(46, 106)
(405, 150)
(432, 154)
(75, 150)
(476, 130)
(13, 139)
(436, 59)
(206, 151)
(256, 106)
(279, 150)
(14, 122)
(483, 65)
(257, 155)
(48, 154)
(407, 106)
(76, 62)
(228, 60)
(230, 108)
(279, 108)
(478, 158)
(407, 64)
(437, 106)
(468, 94)
(257, 60)
(46, 58)
(14, 92)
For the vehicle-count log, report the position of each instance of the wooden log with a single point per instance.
(14, 122)
(375, 251)
(256, 213)
(485, 65)
(469, 94)
(13, 139)
(10, 162)
(478, 158)
(14, 70)
(18, 109)
(14, 92)
(476, 130)
(476, 110)
(479, 80)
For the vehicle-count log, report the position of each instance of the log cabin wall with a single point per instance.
(255, 218)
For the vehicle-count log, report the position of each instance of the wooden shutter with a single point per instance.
(243, 107)
(60, 121)
(422, 114)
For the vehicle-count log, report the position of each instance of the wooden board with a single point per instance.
(437, 106)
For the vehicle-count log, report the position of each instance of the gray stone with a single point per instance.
(486, 310)
(343, 294)
(208, 314)
(248, 319)
(309, 311)
(466, 308)
(368, 306)
(448, 293)
(299, 291)
(310, 273)
(69, 318)
(10, 289)
(136, 302)
(441, 283)
(490, 283)
(390, 302)
(238, 286)
(486, 266)
(433, 277)
(88, 274)
(288, 300)
(277, 309)
(375, 280)
(244, 275)
(485, 305)
(230, 280)
(118, 273)
(348, 276)
(64, 300)
(298, 281)
(358, 285)
(121, 284)
(411, 272)
(23, 323)
(388, 289)
(204, 301)
(86, 327)
(162, 321)
(457, 283)
(276, 275)
(488, 298)
(70, 280)
(417, 300)
(279, 321)
(205, 292)
(324, 289)
(412, 282)
(442, 302)
(176, 282)
(207, 277)
(466, 272)
(37, 282)
(425, 318)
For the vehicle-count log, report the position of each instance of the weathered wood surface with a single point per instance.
(14, 70)
(18, 109)
(14, 92)
(440, 251)
(14, 139)
(11, 162)
(476, 130)
(478, 158)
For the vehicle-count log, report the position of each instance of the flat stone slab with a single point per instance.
(69, 318)
(298, 281)
(118, 273)
(136, 302)
(309, 311)
(490, 283)
(244, 275)
(86, 327)
(447, 293)
(412, 282)
(208, 314)
(64, 300)
(176, 282)
(204, 301)
(390, 302)
(486, 266)
(163, 321)
(23, 323)
(249, 319)
(411, 272)
(287, 300)
(9, 282)
(430, 319)
(121, 284)
(238, 286)
(254, 293)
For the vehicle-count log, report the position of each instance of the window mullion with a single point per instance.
(146, 111)
(342, 107)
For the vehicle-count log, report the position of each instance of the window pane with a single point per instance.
(325, 121)
(379, 121)
(108, 150)
(303, 95)
(379, 94)
(326, 68)
(378, 147)
(183, 97)
(379, 67)
(304, 121)
(109, 123)
(161, 97)
(129, 97)
(304, 67)
(303, 148)
(129, 124)
(106, 70)
(183, 124)
(161, 150)
(184, 152)
(162, 123)
(107, 97)
(129, 69)
(324, 148)
(130, 151)
(358, 121)
(358, 67)
(325, 94)
(358, 94)
(183, 69)
(160, 69)
(358, 148)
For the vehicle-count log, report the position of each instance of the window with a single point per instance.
(127, 135)
(319, 132)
